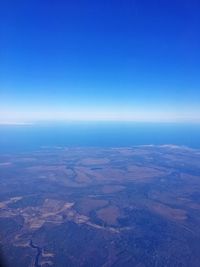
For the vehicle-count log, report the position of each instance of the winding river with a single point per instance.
(39, 251)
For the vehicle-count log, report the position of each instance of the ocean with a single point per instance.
(15, 138)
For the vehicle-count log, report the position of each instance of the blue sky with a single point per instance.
(100, 60)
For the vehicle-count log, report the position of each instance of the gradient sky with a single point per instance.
(99, 60)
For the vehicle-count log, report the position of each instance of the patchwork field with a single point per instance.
(131, 206)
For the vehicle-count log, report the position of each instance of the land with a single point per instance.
(129, 206)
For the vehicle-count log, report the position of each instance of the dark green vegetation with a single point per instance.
(136, 206)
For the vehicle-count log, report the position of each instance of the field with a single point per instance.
(131, 206)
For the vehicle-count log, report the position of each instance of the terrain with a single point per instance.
(80, 206)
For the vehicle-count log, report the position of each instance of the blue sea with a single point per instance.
(14, 138)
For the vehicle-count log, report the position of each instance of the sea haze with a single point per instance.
(96, 134)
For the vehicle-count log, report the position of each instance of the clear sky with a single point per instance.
(100, 60)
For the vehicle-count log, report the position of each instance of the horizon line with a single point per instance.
(30, 123)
